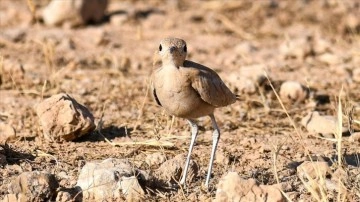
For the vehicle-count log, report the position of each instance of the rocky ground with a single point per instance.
(292, 136)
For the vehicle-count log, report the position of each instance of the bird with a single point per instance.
(189, 90)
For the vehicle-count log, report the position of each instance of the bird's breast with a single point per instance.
(177, 96)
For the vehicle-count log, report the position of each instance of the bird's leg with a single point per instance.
(216, 137)
(194, 132)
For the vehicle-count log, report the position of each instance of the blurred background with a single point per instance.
(102, 53)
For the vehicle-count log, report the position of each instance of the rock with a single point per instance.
(242, 84)
(340, 174)
(131, 188)
(109, 179)
(330, 59)
(318, 124)
(320, 45)
(247, 78)
(354, 137)
(222, 158)
(74, 12)
(351, 23)
(63, 196)
(155, 159)
(66, 45)
(68, 194)
(14, 34)
(232, 187)
(255, 72)
(293, 92)
(34, 186)
(332, 185)
(314, 170)
(63, 118)
(7, 132)
(297, 48)
(118, 20)
(246, 47)
(171, 170)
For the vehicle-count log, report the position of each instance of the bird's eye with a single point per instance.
(185, 48)
(160, 47)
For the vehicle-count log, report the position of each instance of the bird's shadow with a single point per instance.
(110, 132)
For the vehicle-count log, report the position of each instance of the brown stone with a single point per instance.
(63, 118)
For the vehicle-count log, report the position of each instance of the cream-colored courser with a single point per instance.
(189, 90)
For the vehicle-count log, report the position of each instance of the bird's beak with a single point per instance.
(172, 49)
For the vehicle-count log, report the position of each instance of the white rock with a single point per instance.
(247, 78)
(354, 137)
(75, 12)
(255, 72)
(330, 59)
(325, 125)
(313, 170)
(293, 92)
(108, 179)
(295, 48)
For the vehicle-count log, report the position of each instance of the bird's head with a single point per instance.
(172, 51)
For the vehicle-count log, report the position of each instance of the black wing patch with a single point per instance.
(156, 98)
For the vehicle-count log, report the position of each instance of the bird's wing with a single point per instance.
(153, 89)
(209, 85)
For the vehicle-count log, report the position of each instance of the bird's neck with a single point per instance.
(173, 63)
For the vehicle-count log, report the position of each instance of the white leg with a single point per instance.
(216, 137)
(194, 132)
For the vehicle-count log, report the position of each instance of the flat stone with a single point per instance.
(319, 124)
(314, 170)
(232, 187)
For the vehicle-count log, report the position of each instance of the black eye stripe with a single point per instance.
(185, 48)
(160, 47)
